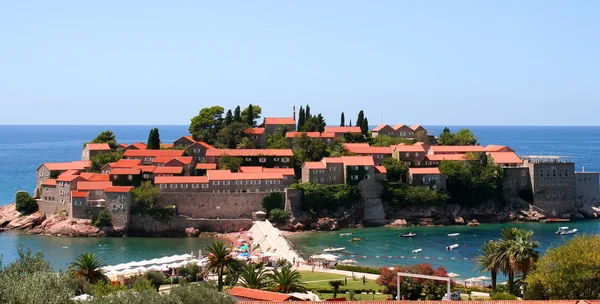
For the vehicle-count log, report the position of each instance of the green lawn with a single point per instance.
(359, 297)
(320, 281)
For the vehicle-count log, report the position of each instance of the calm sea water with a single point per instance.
(24, 148)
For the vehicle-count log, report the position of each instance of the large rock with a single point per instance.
(192, 232)
(459, 221)
(327, 224)
(61, 224)
(589, 210)
(27, 221)
(398, 223)
(374, 214)
(8, 213)
(473, 223)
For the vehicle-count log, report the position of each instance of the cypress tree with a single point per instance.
(153, 140)
(307, 113)
(150, 137)
(228, 118)
(342, 120)
(250, 116)
(364, 128)
(359, 120)
(237, 114)
(321, 123)
(350, 124)
(301, 119)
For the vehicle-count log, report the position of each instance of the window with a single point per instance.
(354, 167)
(130, 177)
(366, 168)
(248, 182)
(226, 182)
(121, 197)
(60, 184)
(115, 207)
(322, 179)
(542, 172)
(41, 174)
(60, 192)
(354, 177)
(184, 185)
(276, 159)
(541, 183)
(216, 182)
(315, 180)
(262, 160)
(173, 186)
(257, 182)
(321, 171)
(523, 183)
(277, 182)
(332, 168)
(268, 182)
(367, 176)
(285, 159)
(47, 174)
(204, 186)
(248, 159)
(407, 154)
(523, 173)
(147, 176)
(238, 182)
(547, 183)
(195, 186)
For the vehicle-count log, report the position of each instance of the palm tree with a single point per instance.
(336, 286)
(88, 266)
(523, 254)
(245, 143)
(287, 280)
(253, 276)
(485, 262)
(219, 259)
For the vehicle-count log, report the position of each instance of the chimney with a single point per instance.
(294, 112)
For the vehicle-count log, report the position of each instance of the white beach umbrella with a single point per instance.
(199, 253)
(154, 268)
(348, 262)
(453, 275)
(483, 278)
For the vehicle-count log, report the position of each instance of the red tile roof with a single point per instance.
(228, 175)
(126, 163)
(456, 149)
(397, 127)
(342, 129)
(279, 121)
(315, 165)
(76, 165)
(153, 153)
(496, 148)
(118, 189)
(206, 166)
(125, 171)
(358, 161)
(310, 134)
(99, 178)
(184, 160)
(188, 137)
(123, 145)
(379, 128)
(146, 169)
(380, 169)
(356, 145)
(250, 152)
(203, 144)
(408, 148)
(49, 182)
(250, 169)
(257, 131)
(98, 147)
(424, 171)
(441, 157)
(506, 158)
(166, 146)
(70, 172)
(333, 160)
(181, 180)
(66, 177)
(167, 170)
(259, 295)
(86, 175)
(84, 186)
(138, 145)
(283, 171)
(415, 127)
(369, 150)
(79, 194)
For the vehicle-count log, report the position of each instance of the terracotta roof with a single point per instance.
(228, 175)
(126, 163)
(70, 172)
(188, 137)
(441, 157)
(456, 149)
(250, 152)
(79, 194)
(203, 144)
(98, 147)
(138, 145)
(415, 127)
(125, 171)
(358, 161)
(380, 169)
(153, 153)
(76, 165)
(185, 160)
(146, 169)
(356, 145)
(123, 145)
(424, 171)
(83, 186)
(250, 169)
(369, 150)
(181, 180)
(506, 158)
(49, 182)
(206, 166)
(496, 148)
(409, 148)
(259, 295)
(315, 165)
(333, 160)
(86, 175)
(279, 121)
(396, 127)
(167, 170)
(379, 128)
(254, 131)
(167, 146)
(99, 178)
(342, 129)
(283, 171)
(66, 178)
(310, 134)
(118, 189)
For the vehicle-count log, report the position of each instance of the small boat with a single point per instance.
(417, 250)
(565, 230)
(410, 234)
(345, 234)
(452, 234)
(355, 239)
(452, 247)
(340, 249)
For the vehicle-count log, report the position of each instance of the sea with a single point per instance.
(24, 148)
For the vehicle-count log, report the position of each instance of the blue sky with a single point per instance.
(428, 62)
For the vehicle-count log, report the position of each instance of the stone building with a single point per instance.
(339, 170)
(588, 187)
(377, 153)
(148, 156)
(48, 171)
(258, 136)
(517, 183)
(383, 129)
(91, 150)
(90, 198)
(340, 131)
(268, 158)
(431, 177)
(272, 123)
(198, 151)
(436, 150)
(223, 182)
(411, 155)
(184, 141)
(553, 183)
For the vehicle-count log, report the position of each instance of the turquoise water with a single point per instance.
(384, 246)
(61, 251)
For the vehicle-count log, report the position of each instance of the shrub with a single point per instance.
(198, 293)
(142, 284)
(330, 197)
(104, 219)
(362, 269)
(102, 288)
(272, 201)
(155, 278)
(25, 203)
(189, 271)
(278, 215)
(503, 296)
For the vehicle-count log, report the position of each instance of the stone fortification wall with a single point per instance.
(145, 225)
(215, 205)
(49, 207)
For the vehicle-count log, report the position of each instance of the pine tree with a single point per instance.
(228, 118)
(350, 124)
(321, 123)
(307, 113)
(342, 120)
(359, 120)
(153, 140)
(237, 114)
(301, 119)
(364, 128)
(250, 116)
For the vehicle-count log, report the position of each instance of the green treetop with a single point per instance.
(228, 118)
(237, 114)
(153, 140)
(251, 114)
(206, 125)
(342, 120)
(106, 137)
